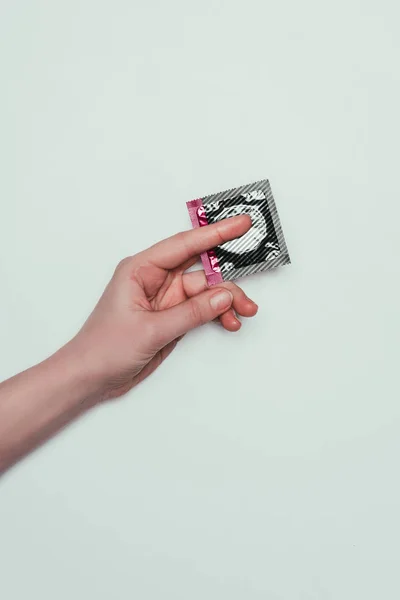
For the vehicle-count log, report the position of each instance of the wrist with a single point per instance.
(72, 365)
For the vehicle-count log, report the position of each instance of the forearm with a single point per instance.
(40, 401)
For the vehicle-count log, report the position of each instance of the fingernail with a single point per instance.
(237, 323)
(221, 300)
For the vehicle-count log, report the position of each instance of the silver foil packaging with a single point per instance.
(262, 247)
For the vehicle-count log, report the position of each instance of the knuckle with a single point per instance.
(123, 264)
(196, 314)
(182, 240)
(230, 286)
(152, 333)
(181, 237)
(218, 233)
(235, 290)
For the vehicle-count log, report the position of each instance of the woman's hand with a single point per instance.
(151, 302)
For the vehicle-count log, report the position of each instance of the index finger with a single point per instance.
(174, 251)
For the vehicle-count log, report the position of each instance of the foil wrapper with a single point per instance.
(263, 247)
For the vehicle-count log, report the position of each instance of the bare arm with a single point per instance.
(38, 402)
(149, 304)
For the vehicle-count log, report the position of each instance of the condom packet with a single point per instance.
(263, 247)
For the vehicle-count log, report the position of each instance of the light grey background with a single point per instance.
(274, 473)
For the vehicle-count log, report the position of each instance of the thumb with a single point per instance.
(200, 309)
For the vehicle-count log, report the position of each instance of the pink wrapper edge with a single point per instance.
(212, 276)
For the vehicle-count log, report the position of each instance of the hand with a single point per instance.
(151, 302)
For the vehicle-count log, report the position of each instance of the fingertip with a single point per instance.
(234, 325)
(247, 308)
(238, 225)
(247, 221)
(251, 307)
(230, 322)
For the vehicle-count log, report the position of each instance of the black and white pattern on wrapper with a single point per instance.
(263, 246)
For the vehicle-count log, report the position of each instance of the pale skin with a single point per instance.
(150, 303)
